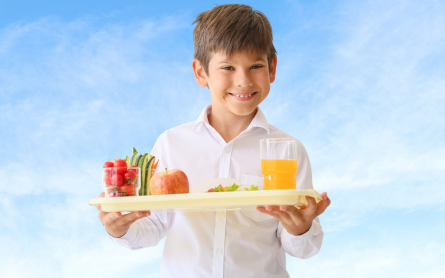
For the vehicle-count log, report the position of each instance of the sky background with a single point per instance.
(360, 83)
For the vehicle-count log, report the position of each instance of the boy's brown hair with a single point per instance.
(231, 28)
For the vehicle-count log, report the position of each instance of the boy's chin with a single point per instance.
(242, 111)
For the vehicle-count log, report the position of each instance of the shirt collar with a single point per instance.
(258, 121)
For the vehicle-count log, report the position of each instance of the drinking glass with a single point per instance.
(279, 163)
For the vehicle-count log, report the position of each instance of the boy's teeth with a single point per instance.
(244, 96)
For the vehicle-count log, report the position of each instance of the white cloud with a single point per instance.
(373, 259)
(76, 258)
(66, 239)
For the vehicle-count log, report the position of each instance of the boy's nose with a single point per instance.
(243, 80)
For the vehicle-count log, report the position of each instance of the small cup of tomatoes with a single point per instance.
(118, 180)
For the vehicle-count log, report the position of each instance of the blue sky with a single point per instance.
(360, 83)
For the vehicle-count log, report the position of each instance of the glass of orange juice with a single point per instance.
(279, 163)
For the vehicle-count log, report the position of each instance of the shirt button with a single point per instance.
(219, 251)
(227, 149)
(221, 215)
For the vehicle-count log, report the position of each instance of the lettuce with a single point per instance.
(234, 187)
(252, 187)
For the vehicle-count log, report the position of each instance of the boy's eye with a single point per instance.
(257, 66)
(227, 68)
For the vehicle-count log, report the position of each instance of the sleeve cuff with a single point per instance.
(314, 230)
(130, 235)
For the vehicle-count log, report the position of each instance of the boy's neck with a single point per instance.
(227, 124)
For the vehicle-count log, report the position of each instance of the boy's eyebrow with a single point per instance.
(260, 59)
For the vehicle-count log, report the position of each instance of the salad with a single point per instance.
(233, 187)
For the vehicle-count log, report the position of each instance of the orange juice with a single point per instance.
(279, 173)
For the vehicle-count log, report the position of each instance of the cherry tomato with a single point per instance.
(120, 166)
(120, 163)
(117, 180)
(107, 179)
(128, 190)
(108, 167)
(134, 168)
(130, 176)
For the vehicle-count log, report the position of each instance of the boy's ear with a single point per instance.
(199, 72)
(273, 69)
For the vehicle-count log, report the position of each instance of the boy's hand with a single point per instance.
(298, 221)
(117, 224)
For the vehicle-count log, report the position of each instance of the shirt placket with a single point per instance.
(221, 216)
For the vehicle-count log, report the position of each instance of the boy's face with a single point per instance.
(237, 84)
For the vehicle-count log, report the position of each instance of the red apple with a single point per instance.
(169, 182)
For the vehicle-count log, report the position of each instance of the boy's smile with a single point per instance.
(243, 96)
(239, 83)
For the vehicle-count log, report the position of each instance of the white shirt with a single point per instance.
(243, 243)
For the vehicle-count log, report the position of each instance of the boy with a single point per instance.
(236, 60)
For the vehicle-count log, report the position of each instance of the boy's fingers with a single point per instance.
(290, 210)
(277, 210)
(324, 196)
(271, 213)
(311, 209)
(131, 217)
(323, 205)
(311, 203)
(109, 217)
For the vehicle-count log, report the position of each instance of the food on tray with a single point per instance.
(129, 177)
(169, 182)
(220, 188)
(147, 164)
(118, 180)
(252, 187)
(233, 187)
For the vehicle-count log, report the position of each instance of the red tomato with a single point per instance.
(120, 163)
(120, 166)
(134, 168)
(120, 170)
(108, 167)
(107, 179)
(128, 189)
(130, 176)
(117, 180)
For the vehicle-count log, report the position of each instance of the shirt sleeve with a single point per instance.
(302, 246)
(308, 244)
(148, 231)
